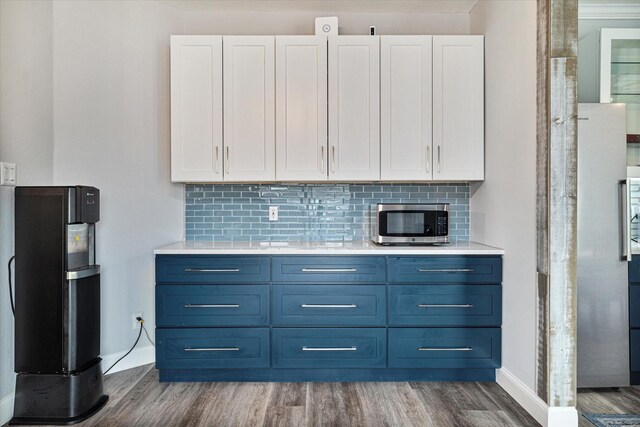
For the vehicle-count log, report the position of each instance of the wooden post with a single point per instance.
(556, 206)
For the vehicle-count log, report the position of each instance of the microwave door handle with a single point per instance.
(625, 215)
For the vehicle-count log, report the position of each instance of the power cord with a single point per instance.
(13, 307)
(147, 334)
(141, 320)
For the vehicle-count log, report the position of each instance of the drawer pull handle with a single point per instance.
(445, 270)
(329, 270)
(212, 306)
(445, 305)
(212, 270)
(213, 349)
(329, 306)
(305, 348)
(445, 348)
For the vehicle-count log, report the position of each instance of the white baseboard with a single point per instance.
(563, 416)
(138, 357)
(6, 408)
(522, 394)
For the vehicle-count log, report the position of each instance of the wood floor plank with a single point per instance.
(237, 404)
(392, 404)
(287, 405)
(334, 404)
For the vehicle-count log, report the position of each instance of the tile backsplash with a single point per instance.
(308, 212)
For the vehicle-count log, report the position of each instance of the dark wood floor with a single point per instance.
(138, 399)
(608, 401)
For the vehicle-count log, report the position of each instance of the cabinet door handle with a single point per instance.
(445, 305)
(445, 270)
(226, 163)
(217, 158)
(428, 159)
(438, 159)
(212, 349)
(328, 306)
(333, 159)
(353, 348)
(212, 306)
(322, 159)
(445, 348)
(212, 270)
(329, 270)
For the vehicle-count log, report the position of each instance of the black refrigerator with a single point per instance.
(57, 305)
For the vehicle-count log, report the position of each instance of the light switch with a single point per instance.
(8, 174)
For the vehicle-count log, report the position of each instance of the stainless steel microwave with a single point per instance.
(410, 224)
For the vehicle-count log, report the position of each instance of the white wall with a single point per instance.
(503, 208)
(111, 130)
(300, 23)
(25, 138)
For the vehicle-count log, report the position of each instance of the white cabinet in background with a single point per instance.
(249, 108)
(458, 108)
(196, 108)
(354, 114)
(405, 108)
(301, 108)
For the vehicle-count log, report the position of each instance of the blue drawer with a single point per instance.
(634, 306)
(329, 269)
(446, 269)
(212, 305)
(212, 348)
(329, 347)
(635, 349)
(444, 348)
(445, 305)
(212, 269)
(634, 269)
(329, 305)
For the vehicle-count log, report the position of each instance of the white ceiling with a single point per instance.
(422, 6)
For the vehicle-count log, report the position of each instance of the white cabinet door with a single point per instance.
(354, 108)
(458, 108)
(249, 108)
(301, 108)
(405, 108)
(196, 108)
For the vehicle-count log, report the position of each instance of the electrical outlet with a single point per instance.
(8, 174)
(134, 322)
(273, 213)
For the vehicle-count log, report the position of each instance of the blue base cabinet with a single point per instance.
(328, 318)
(634, 319)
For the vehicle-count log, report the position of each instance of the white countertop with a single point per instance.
(321, 248)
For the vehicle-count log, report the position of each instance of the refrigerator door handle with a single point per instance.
(625, 214)
(81, 273)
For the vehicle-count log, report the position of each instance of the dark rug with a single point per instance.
(613, 420)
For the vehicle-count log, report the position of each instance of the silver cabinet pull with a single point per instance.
(329, 270)
(217, 158)
(625, 211)
(428, 159)
(445, 270)
(438, 159)
(329, 306)
(322, 159)
(212, 306)
(445, 305)
(305, 348)
(333, 159)
(212, 270)
(213, 349)
(445, 348)
(226, 165)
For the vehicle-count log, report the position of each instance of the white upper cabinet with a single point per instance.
(354, 114)
(301, 108)
(249, 108)
(405, 108)
(196, 108)
(458, 108)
